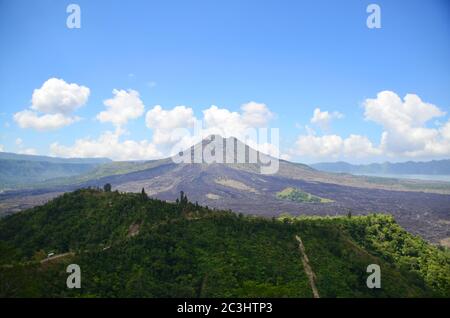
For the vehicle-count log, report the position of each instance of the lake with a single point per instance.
(430, 177)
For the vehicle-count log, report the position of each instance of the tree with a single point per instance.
(183, 198)
(107, 187)
(143, 194)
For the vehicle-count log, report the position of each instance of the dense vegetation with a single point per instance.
(297, 195)
(128, 245)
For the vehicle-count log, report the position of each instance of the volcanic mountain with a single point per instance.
(236, 180)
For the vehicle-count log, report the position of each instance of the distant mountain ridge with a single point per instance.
(16, 156)
(18, 170)
(434, 167)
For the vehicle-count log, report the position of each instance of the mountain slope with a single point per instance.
(131, 246)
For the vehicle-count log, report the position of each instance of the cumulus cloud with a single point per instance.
(227, 123)
(406, 132)
(52, 105)
(122, 107)
(223, 121)
(179, 116)
(389, 110)
(404, 122)
(31, 119)
(58, 97)
(172, 126)
(125, 105)
(331, 145)
(108, 145)
(334, 146)
(323, 118)
(172, 129)
(256, 114)
(1, 148)
(166, 122)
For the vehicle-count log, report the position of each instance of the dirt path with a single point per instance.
(52, 258)
(308, 270)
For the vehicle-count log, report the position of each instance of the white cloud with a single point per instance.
(334, 146)
(445, 131)
(166, 123)
(256, 114)
(170, 127)
(122, 107)
(125, 105)
(390, 111)
(52, 104)
(58, 97)
(19, 141)
(223, 121)
(405, 132)
(359, 146)
(227, 123)
(30, 119)
(324, 146)
(177, 117)
(404, 122)
(1, 148)
(324, 118)
(108, 145)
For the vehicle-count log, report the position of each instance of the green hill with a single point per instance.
(128, 245)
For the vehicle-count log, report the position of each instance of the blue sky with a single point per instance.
(291, 56)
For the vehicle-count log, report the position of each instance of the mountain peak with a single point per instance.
(217, 149)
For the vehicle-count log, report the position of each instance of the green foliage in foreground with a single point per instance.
(130, 246)
(297, 195)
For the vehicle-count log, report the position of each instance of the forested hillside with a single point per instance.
(129, 245)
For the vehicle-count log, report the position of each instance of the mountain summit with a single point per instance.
(218, 150)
